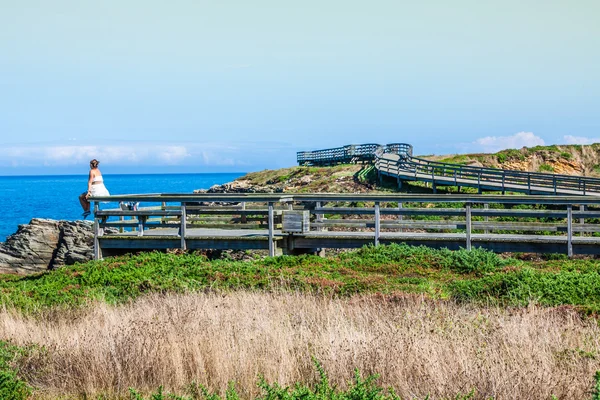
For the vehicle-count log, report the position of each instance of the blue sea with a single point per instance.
(56, 197)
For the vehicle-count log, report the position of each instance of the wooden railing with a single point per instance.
(499, 179)
(473, 219)
(350, 153)
(396, 160)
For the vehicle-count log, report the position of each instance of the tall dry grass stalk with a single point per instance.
(418, 347)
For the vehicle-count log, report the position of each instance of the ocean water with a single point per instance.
(56, 197)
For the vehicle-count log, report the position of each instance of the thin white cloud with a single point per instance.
(570, 139)
(138, 154)
(492, 144)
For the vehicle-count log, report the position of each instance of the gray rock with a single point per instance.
(45, 244)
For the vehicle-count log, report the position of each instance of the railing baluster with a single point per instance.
(377, 223)
(570, 230)
(400, 216)
(97, 252)
(468, 225)
(271, 233)
(486, 206)
(582, 220)
(183, 225)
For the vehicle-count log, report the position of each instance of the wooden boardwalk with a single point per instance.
(396, 161)
(302, 223)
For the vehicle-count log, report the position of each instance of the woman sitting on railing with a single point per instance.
(95, 188)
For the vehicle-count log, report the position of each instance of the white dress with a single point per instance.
(98, 188)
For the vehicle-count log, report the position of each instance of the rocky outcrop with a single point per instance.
(45, 244)
(243, 186)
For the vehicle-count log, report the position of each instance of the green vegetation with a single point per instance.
(478, 275)
(461, 159)
(566, 156)
(358, 389)
(11, 386)
(596, 392)
(546, 168)
(510, 154)
(337, 178)
(551, 148)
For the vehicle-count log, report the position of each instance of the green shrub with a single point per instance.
(522, 286)
(502, 157)
(479, 261)
(566, 156)
(546, 168)
(551, 148)
(11, 386)
(596, 393)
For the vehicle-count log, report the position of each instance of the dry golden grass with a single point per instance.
(418, 347)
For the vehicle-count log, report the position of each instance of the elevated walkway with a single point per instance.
(396, 161)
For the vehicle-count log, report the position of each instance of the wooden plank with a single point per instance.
(377, 223)
(468, 228)
(271, 231)
(296, 221)
(183, 226)
(132, 213)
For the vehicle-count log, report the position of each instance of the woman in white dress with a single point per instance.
(95, 188)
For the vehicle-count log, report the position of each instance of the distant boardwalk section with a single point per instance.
(396, 161)
(307, 223)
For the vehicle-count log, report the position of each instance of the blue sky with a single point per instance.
(205, 86)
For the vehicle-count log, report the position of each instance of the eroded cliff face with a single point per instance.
(45, 244)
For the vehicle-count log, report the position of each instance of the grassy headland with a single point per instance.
(385, 322)
(428, 322)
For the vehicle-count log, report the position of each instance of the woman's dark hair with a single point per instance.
(94, 163)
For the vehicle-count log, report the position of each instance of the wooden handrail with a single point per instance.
(396, 160)
(472, 215)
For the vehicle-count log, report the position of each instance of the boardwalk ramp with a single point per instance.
(397, 161)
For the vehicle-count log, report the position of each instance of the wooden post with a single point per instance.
(570, 230)
(582, 220)
(486, 206)
(141, 221)
(400, 216)
(377, 223)
(97, 252)
(319, 217)
(468, 223)
(271, 243)
(183, 226)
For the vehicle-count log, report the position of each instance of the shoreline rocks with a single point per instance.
(45, 244)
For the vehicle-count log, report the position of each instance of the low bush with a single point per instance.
(11, 386)
(359, 389)
(522, 286)
(546, 168)
(478, 261)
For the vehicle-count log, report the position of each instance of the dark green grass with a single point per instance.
(476, 276)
